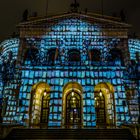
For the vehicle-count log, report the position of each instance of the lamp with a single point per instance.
(72, 90)
(100, 93)
(45, 92)
(72, 93)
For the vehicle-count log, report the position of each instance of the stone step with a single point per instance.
(22, 134)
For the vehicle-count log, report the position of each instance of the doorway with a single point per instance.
(73, 110)
(39, 105)
(105, 105)
(100, 111)
(45, 109)
(72, 105)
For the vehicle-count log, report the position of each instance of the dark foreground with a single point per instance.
(46, 134)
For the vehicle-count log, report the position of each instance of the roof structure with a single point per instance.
(91, 17)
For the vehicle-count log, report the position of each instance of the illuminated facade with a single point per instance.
(70, 71)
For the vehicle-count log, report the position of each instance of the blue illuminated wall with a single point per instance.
(8, 46)
(134, 73)
(65, 35)
(134, 48)
(72, 34)
(8, 54)
(88, 78)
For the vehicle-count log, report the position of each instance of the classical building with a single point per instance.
(70, 70)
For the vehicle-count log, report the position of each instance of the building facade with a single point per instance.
(71, 70)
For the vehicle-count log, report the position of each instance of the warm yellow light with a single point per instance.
(45, 93)
(72, 93)
(100, 93)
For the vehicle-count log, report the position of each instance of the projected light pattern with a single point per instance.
(8, 57)
(72, 34)
(8, 54)
(7, 47)
(36, 67)
(134, 48)
(88, 79)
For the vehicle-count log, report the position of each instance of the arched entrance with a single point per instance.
(72, 105)
(100, 110)
(45, 108)
(39, 105)
(105, 105)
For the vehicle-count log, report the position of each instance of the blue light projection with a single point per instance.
(73, 34)
(8, 57)
(8, 54)
(8, 46)
(64, 36)
(134, 48)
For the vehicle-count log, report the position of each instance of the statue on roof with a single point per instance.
(74, 6)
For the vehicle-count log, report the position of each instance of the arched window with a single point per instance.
(52, 55)
(45, 108)
(73, 109)
(100, 110)
(116, 57)
(39, 104)
(104, 105)
(31, 55)
(74, 55)
(72, 105)
(95, 55)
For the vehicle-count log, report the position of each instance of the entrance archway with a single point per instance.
(100, 110)
(39, 105)
(105, 105)
(72, 105)
(45, 108)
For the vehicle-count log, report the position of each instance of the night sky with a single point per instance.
(11, 11)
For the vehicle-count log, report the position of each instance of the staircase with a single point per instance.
(94, 134)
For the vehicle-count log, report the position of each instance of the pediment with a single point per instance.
(89, 17)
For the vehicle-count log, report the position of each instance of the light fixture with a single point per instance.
(45, 92)
(72, 93)
(72, 90)
(100, 93)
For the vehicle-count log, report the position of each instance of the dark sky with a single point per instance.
(11, 11)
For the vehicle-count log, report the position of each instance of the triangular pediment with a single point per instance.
(89, 17)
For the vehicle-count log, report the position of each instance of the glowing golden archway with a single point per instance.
(106, 90)
(38, 92)
(72, 92)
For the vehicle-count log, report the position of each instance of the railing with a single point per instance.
(6, 128)
(135, 130)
